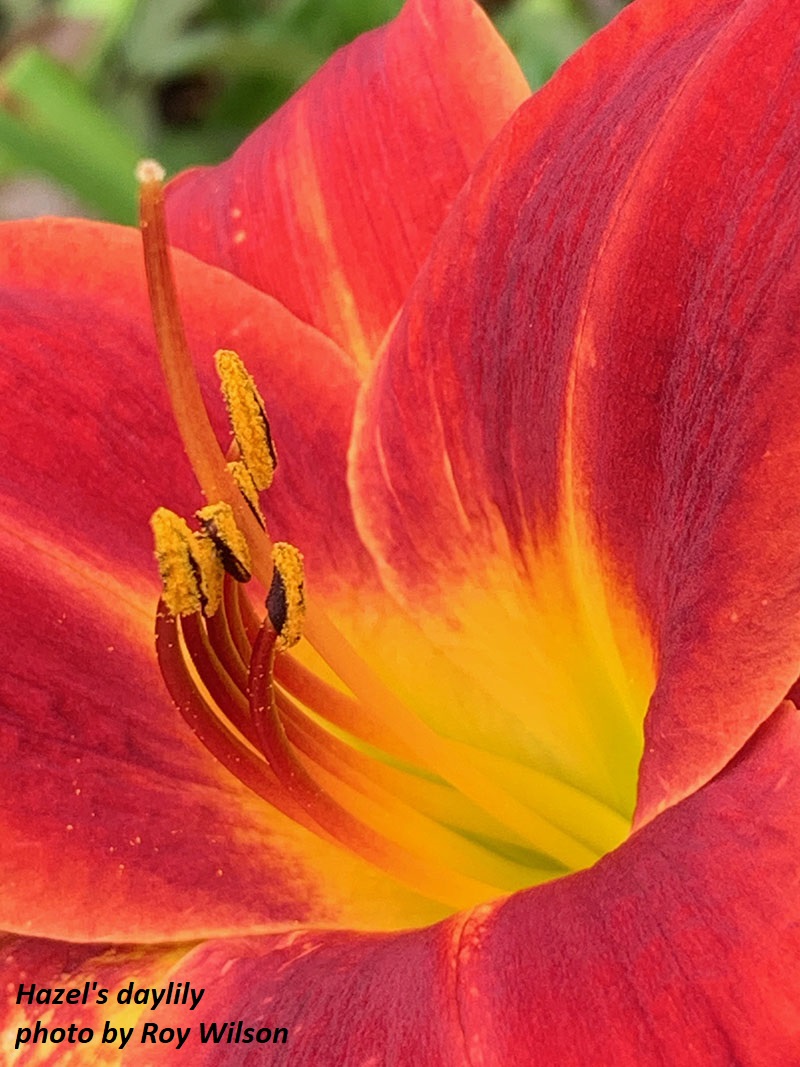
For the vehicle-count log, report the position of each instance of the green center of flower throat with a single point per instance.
(350, 761)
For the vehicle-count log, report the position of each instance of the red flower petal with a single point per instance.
(115, 821)
(331, 206)
(587, 391)
(681, 947)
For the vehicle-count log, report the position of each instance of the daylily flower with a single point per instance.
(533, 781)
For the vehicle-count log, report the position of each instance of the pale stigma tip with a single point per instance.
(149, 170)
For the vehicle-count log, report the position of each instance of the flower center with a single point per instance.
(383, 784)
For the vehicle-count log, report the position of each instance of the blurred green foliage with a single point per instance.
(87, 87)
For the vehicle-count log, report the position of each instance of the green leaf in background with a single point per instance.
(542, 34)
(51, 124)
(109, 19)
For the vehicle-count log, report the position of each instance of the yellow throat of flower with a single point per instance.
(334, 749)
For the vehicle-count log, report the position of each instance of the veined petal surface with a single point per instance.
(331, 206)
(580, 423)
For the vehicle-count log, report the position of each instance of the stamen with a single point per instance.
(286, 599)
(219, 524)
(190, 569)
(248, 418)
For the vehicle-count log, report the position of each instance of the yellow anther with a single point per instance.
(211, 572)
(231, 545)
(190, 569)
(247, 487)
(248, 418)
(286, 604)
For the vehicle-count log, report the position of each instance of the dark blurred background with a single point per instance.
(88, 87)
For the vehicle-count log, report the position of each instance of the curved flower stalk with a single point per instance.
(527, 792)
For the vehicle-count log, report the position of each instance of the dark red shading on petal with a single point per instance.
(680, 948)
(602, 351)
(332, 204)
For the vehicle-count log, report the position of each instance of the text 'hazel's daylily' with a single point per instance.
(527, 790)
